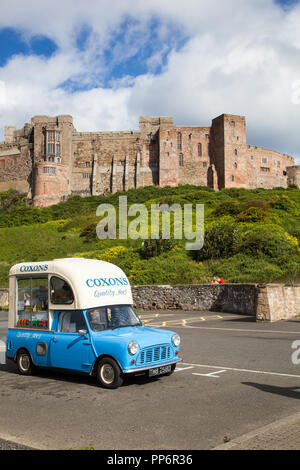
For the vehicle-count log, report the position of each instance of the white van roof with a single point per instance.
(94, 283)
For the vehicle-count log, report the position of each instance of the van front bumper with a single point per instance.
(145, 369)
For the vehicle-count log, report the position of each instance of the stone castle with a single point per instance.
(50, 160)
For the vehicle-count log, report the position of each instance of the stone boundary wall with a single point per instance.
(3, 297)
(269, 302)
(231, 298)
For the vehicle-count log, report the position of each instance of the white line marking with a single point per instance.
(243, 329)
(242, 370)
(183, 368)
(211, 374)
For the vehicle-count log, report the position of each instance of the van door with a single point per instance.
(69, 349)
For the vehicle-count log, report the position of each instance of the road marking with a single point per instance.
(182, 321)
(183, 368)
(211, 374)
(243, 329)
(242, 370)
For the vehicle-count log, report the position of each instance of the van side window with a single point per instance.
(32, 302)
(60, 292)
(71, 322)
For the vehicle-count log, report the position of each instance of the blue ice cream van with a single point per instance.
(78, 314)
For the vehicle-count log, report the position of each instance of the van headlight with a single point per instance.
(133, 347)
(176, 340)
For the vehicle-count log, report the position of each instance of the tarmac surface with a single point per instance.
(237, 388)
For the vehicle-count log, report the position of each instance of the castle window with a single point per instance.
(265, 170)
(232, 178)
(233, 123)
(235, 165)
(235, 152)
(199, 150)
(284, 173)
(190, 136)
(51, 148)
(87, 164)
(53, 143)
(207, 136)
(252, 158)
(179, 141)
(204, 164)
(181, 160)
(264, 160)
(86, 175)
(49, 170)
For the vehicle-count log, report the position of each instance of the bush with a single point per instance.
(267, 240)
(151, 248)
(220, 241)
(282, 202)
(252, 214)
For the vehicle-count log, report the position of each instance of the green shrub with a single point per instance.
(220, 241)
(151, 248)
(267, 240)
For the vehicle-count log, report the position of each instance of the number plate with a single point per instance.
(159, 370)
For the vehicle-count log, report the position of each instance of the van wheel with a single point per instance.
(24, 363)
(109, 373)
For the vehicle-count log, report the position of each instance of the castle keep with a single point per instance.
(50, 160)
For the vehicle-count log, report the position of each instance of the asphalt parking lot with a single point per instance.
(236, 376)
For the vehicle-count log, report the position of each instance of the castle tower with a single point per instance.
(52, 159)
(227, 154)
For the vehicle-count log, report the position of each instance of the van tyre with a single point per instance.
(24, 363)
(109, 373)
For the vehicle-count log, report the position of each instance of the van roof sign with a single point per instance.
(95, 283)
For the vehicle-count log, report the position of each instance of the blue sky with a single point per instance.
(108, 64)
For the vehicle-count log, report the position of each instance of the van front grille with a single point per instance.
(154, 354)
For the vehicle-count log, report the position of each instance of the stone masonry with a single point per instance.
(50, 160)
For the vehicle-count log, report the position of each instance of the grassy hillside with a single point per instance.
(250, 235)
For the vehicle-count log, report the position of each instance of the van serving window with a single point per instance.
(60, 292)
(32, 303)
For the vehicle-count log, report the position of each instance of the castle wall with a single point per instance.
(15, 168)
(293, 175)
(50, 160)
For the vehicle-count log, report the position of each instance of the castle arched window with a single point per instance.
(235, 152)
(199, 150)
(181, 160)
(179, 141)
(235, 164)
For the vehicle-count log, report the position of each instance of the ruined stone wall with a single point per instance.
(293, 175)
(16, 167)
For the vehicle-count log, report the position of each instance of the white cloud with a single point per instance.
(238, 57)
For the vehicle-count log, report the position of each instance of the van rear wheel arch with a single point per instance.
(25, 364)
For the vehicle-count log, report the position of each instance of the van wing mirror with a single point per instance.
(82, 332)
